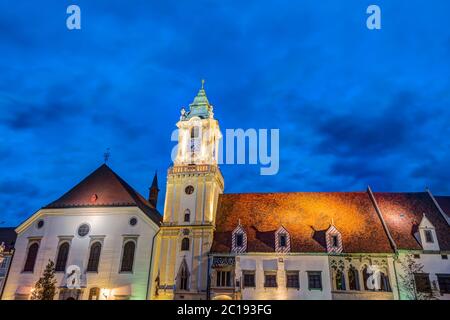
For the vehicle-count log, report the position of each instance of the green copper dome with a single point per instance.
(200, 107)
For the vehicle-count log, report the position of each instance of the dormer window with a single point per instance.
(282, 240)
(429, 236)
(335, 241)
(239, 239)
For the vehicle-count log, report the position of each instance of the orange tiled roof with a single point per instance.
(306, 215)
(104, 188)
(403, 213)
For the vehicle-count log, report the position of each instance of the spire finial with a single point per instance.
(203, 83)
(106, 155)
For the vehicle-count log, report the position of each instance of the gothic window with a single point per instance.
(183, 276)
(94, 257)
(292, 279)
(340, 280)
(384, 282)
(94, 293)
(61, 258)
(353, 279)
(366, 276)
(223, 278)
(128, 256)
(31, 257)
(187, 215)
(185, 244)
(249, 279)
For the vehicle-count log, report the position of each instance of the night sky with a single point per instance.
(354, 107)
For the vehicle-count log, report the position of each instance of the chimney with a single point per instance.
(153, 191)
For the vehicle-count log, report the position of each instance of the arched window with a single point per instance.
(185, 244)
(366, 276)
(183, 276)
(353, 279)
(94, 293)
(94, 257)
(31, 257)
(340, 280)
(61, 258)
(128, 257)
(384, 281)
(187, 215)
(194, 132)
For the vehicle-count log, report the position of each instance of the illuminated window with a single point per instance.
(94, 293)
(94, 257)
(61, 259)
(31, 257)
(128, 256)
(223, 278)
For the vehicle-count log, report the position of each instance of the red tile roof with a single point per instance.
(403, 213)
(444, 203)
(104, 188)
(306, 216)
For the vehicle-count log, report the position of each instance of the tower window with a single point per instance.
(189, 189)
(185, 244)
(194, 132)
(187, 215)
(429, 236)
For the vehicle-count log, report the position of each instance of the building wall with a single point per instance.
(432, 263)
(304, 263)
(109, 225)
(4, 266)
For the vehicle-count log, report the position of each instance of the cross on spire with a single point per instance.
(106, 156)
(203, 83)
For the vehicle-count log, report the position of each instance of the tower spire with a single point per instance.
(154, 191)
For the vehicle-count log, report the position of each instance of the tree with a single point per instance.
(45, 287)
(407, 282)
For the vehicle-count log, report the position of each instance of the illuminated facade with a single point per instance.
(102, 229)
(194, 184)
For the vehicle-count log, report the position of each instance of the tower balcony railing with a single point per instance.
(193, 168)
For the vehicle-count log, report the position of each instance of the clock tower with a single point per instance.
(194, 183)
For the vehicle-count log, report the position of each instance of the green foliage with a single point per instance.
(45, 287)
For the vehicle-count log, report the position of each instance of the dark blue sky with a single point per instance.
(354, 107)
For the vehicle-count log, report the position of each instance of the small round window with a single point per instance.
(189, 190)
(83, 230)
(133, 221)
(40, 224)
